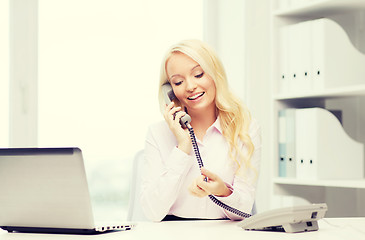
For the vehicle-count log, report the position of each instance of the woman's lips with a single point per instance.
(196, 96)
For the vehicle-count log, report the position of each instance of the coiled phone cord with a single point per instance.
(200, 162)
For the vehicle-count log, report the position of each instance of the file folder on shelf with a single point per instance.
(323, 149)
(284, 60)
(290, 143)
(336, 61)
(324, 47)
(282, 144)
(300, 54)
(287, 143)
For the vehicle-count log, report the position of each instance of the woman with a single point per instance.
(228, 139)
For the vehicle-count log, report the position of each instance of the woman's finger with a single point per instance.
(195, 190)
(179, 115)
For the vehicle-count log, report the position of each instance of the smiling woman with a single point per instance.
(98, 64)
(230, 141)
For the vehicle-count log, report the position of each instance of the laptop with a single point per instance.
(45, 190)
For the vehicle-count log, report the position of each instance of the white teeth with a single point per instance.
(195, 96)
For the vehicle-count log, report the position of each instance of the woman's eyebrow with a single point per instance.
(195, 67)
(175, 75)
(178, 75)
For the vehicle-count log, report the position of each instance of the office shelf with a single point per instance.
(359, 184)
(358, 90)
(320, 8)
(347, 95)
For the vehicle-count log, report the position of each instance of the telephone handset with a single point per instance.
(169, 95)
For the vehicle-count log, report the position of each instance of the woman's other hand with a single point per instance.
(213, 186)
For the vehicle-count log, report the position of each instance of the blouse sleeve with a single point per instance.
(244, 187)
(162, 182)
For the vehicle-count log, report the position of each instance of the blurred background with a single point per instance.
(85, 73)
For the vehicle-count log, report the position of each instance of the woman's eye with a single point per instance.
(178, 83)
(199, 75)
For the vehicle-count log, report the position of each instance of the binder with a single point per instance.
(293, 54)
(306, 143)
(317, 55)
(300, 57)
(323, 149)
(335, 60)
(290, 143)
(282, 144)
(286, 141)
(304, 31)
(284, 74)
(295, 58)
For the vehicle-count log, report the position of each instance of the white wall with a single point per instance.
(240, 32)
(224, 30)
(258, 86)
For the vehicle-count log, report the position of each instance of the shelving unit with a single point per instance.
(358, 184)
(348, 91)
(318, 8)
(344, 197)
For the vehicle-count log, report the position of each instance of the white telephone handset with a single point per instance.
(169, 95)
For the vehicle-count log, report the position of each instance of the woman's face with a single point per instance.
(194, 89)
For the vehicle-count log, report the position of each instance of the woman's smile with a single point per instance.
(196, 96)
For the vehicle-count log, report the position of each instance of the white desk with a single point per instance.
(329, 229)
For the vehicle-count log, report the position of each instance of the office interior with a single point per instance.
(85, 73)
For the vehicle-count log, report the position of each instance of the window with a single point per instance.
(99, 64)
(4, 73)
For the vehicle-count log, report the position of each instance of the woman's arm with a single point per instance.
(166, 168)
(244, 186)
(239, 195)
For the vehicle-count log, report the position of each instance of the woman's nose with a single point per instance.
(191, 85)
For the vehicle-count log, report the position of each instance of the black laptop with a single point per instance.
(45, 190)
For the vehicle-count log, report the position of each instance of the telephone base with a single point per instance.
(291, 227)
(301, 227)
(289, 219)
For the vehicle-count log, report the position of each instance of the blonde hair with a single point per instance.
(234, 117)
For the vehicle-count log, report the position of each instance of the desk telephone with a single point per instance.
(285, 219)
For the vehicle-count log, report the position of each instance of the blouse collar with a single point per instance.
(217, 125)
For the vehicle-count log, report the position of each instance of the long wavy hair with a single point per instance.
(234, 117)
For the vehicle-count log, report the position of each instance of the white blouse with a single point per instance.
(170, 171)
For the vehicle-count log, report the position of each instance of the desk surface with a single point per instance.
(330, 228)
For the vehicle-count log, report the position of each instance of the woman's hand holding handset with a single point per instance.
(172, 116)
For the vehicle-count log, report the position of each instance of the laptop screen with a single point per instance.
(44, 187)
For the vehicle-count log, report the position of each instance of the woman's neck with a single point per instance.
(202, 120)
